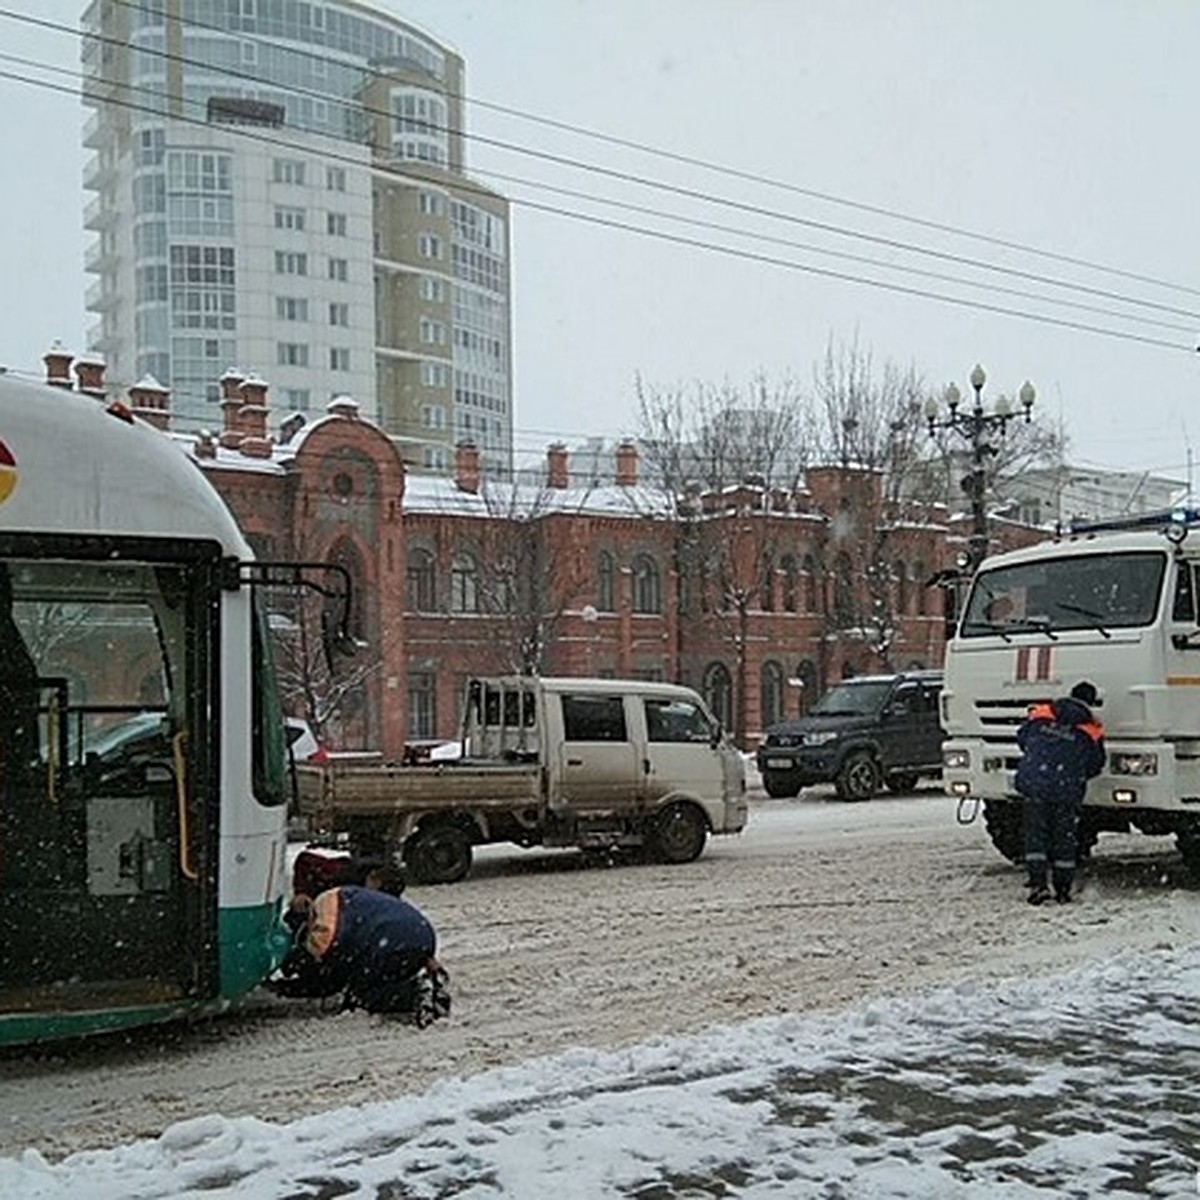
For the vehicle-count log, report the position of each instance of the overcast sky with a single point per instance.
(1063, 127)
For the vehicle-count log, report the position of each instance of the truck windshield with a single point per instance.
(853, 699)
(1098, 591)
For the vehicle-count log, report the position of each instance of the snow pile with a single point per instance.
(1071, 1085)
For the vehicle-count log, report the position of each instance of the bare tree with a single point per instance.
(726, 458)
(525, 584)
(870, 421)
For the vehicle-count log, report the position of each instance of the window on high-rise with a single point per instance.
(335, 178)
(289, 262)
(339, 313)
(289, 218)
(419, 129)
(292, 354)
(291, 308)
(288, 170)
(335, 224)
(339, 358)
(339, 269)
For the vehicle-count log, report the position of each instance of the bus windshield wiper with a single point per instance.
(1091, 614)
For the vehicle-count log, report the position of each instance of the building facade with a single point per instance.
(284, 183)
(757, 599)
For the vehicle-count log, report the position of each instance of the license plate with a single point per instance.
(780, 762)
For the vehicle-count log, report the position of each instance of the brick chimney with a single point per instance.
(89, 371)
(58, 366)
(627, 463)
(231, 408)
(252, 420)
(206, 445)
(557, 472)
(466, 467)
(151, 401)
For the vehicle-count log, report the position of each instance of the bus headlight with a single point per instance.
(956, 760)
(1123, 763)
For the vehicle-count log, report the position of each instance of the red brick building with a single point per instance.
(758, 599)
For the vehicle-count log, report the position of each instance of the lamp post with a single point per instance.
(978, 428)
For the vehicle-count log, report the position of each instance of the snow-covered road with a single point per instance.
(825, 1006)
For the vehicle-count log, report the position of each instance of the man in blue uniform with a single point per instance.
(377, 949)
(1062, 747)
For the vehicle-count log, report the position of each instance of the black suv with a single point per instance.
(863, 732)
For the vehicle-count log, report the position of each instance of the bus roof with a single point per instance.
(69, 464)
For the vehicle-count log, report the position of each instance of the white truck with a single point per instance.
(1115, 603)
(595, 763)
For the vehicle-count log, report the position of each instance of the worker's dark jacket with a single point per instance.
(1062, 747)
(366, 942)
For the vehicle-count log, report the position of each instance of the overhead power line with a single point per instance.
(722, 169)
(669, 238)
(696, 195)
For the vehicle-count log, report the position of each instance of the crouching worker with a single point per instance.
(375, 949)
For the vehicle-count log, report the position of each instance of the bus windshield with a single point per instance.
(1099, 591)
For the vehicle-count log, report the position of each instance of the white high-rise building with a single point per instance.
(280, 186)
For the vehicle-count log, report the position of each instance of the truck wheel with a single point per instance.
(857, 778)
(1003, 821)
(438, 854)
(678, 834)
(1187, 839)
(902, 783)
(779, 789)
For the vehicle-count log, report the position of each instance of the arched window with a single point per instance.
(811, 597)
(787, 565)
(771, 694)
(420, 582)
(718, 693)
(766, 586)
(606, 574)
(843, 590)
(345, 553)
(806, 672)
(900, 572)
(647, 589)
(919, 577)
(464, 584)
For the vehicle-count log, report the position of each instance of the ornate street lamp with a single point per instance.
(978, 428)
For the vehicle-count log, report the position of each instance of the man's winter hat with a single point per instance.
(1086, 692)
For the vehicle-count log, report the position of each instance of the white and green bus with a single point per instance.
(143, 766)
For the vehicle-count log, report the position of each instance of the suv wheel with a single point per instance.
(857, 778)
(780, 788)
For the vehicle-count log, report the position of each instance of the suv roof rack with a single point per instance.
(1162, 519)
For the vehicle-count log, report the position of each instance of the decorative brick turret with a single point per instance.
(58, 366)
(149, 400)
(89, 371)
(252, 419)
(467, 471)
(345, 407)
(627, 463)
(231, 408)
(558, 474)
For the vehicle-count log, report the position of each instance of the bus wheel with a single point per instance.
(1003, 821)
(679, 834)
(438, 854)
